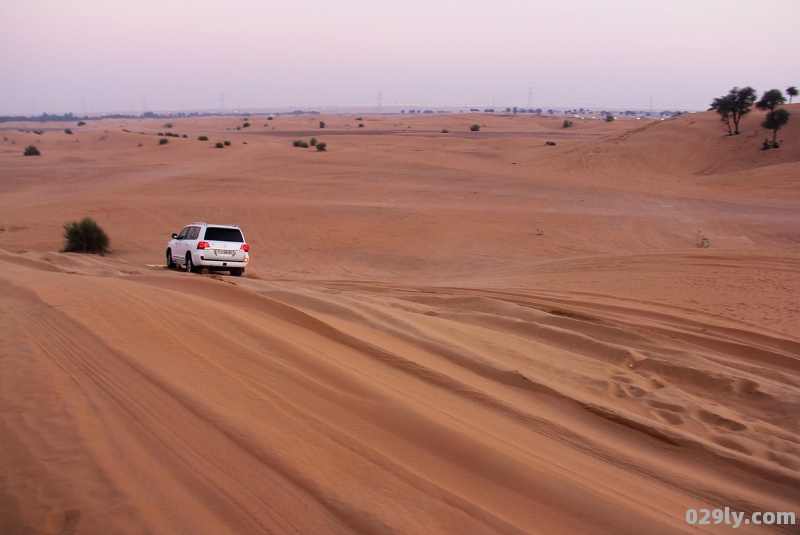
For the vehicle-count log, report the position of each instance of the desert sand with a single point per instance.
(469, 332)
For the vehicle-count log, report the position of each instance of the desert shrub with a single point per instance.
(475, 127)
(566, 124)
(202, 138)
(322, 124)
(246, 125)
(219, 144)
(168, 125)
(361, 125)
(359, 118)
(185, 136)
(238, 128)
(296, 143)
(68, 131)
(85, 236)
(609, 118)
(30, 150)
(321, 146)
(163, 141)
(227, 143)
(160, 133)
(312, 141)
(81, 123)
(445, 131)
(550, 143)
(303, 145)
(269, 118)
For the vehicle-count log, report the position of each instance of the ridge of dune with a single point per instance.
(693, 144)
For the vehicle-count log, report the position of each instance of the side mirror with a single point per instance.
(174, 235)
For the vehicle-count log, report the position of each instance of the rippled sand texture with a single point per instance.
(439, 333)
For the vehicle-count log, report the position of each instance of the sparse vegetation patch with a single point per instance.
(475, 127)
(321, 146)
(163, 141)
(31, 150)
(202, 138)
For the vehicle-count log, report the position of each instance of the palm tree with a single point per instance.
(792, 92)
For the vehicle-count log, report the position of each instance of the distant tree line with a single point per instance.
(739, 101)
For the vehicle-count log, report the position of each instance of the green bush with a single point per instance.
(85, 236)
(361, 125)
(312, 141)
(566, 124)
(202, 138)
(185, 136)
(321, 146)
(303, 145)
(296, 143)
(30, 150)
(322, 124)
(219, 145)
(163, 141)
(245, 125)
(227, 143)
(68, 131)
(475, 127)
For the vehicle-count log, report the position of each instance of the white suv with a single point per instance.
(216, 247)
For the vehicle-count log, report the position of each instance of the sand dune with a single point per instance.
(439, 333)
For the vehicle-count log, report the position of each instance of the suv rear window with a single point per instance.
(224, 234)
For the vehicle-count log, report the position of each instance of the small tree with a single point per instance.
(792, 92)
(31, 150)
(733, 106)
(312, 141)
(770, 100)
(774, 120)
(246, 125)
(219, 145)
(85, 236)
(163, 141)
(475, 127)
(322, 124)
(227, 143)
(321, 146)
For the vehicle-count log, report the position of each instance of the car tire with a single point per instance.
(237, 272)
(170, 262)
(189, 264)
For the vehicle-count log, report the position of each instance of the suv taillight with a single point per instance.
(203, 245)
(245, 248)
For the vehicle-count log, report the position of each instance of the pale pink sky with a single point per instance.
(116, 55)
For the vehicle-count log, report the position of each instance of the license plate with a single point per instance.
(223, 252)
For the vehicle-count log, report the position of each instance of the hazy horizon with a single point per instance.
(94, 56)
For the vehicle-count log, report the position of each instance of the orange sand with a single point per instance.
(439, 333)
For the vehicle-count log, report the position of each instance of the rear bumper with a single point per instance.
(200, 261)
